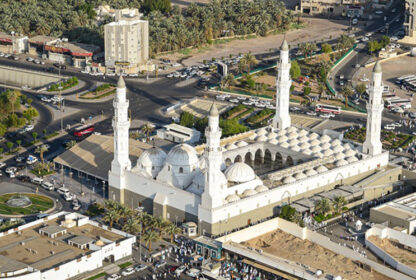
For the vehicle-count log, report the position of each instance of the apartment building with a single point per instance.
(351, 8)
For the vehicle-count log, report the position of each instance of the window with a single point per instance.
(181, 170)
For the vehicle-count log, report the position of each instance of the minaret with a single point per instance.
(372, 145)
(282, 119)
(215, 180)
(121, 125)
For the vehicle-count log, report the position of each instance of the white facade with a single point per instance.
(89, 261)
(179, 134)
(372, 144)
(283, 83)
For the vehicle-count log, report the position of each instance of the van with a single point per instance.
(37, 180)
(354, 21)
(63, 191)
(41, 216)
(47, 186)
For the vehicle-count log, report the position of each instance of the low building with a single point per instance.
(350, 8)
(60, 246)
(13, 43)
(399, 213)
(60, 50)
(179, 134)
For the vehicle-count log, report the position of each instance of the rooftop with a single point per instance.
(9, 37)
(390, 209)
(94, 155)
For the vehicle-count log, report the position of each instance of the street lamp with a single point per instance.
(103, 189)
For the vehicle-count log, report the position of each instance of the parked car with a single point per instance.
(11, 175)
(19, 159)
(2, 164)
(68, 196)
(160, 264)
(11, 169)
(29, 127)
(180, 270)
(48, 186)
(193, 272)
(23, 178)
(31, 159)
(76, 207)
(113, 277)
(140, 267)
(128, 271)
(63, 191)
(37, 180)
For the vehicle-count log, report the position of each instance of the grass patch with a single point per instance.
(124, 265)
(53, 134)
(95, 210)
(186, 51)
(107, 93)
(39, 203)
(71, 82)
(102, 274)
(260, 116)
(28, 144)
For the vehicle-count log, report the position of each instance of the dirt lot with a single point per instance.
(393, 69)
(316, 29)
(292, 248)
(401, 255)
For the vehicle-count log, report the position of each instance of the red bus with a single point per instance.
(328, 109)
(84, 130)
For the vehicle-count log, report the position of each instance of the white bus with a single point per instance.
(397, 102)
(399, 80)
(328, 109)
(409, 80)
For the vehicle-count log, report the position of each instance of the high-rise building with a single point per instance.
(126, 42)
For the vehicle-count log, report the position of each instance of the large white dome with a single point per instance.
(152, 157)
(240, 172)
(182, 155)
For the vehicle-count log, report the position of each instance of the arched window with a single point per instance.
(181, 170)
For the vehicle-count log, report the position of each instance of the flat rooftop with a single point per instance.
(41, 252)
(8, 37)
(94, 155)
(395, 211)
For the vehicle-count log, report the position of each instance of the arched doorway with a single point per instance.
(248, 159)
(279, 160)
(289, 161)
(228, 162)
(238, 159)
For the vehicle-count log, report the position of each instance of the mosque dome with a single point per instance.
(240, 172)
(273, 141)
(352, 159)
(272, 135)
(248, 192)
(318, 154)
(282, 139)
(293, 142)
(305, 145)
(338, 149)
(232, 198)
(321, 169)
(328, 152)
(182, 155)
(350, 153)
(261, 138)
(315, 142)
(307, 152)
(261, 188)
(311, 172)
(299, 176)
(339, 156)
(302, 132)
(292, 129)
(348, 146)
(281, 133)
(241, 144)
(303, 139)
(261, 131)
(336, 142)
(295, 148)
(231, 146)
(284, 145)
(288, 180)
(341, 162)
(292, 135)
(316, 149)
(313, 136)
(152, 157)
(325, 146)
(325, 138)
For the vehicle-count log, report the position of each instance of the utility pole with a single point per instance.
(60, 98)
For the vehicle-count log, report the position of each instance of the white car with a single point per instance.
(63, 191)
(176, 64)
(11, 169)
(234, 100)
(193, 272)
(113, 277)
(134, 75)
(140, 267)
(364, 79)
(369, 34)
(31, 159)
(247, 103)
(379, 12)
(169, 75)
(47, 186)
(220, 97)
(397, 124)
(29, 127)
(180, 270)
(325, 116)
(389, 127)
(128, 271)
(364, 39)
(68, 196)
(12, 175)
(311, 113)
(2, 164)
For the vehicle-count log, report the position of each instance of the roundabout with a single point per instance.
(20, 204)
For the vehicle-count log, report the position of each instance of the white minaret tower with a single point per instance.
(215, 181)
(282, 119)
(372, 145)
(121, 125)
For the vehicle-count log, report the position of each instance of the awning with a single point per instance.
(268, 269)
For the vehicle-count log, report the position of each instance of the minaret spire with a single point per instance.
(282, 119)
(372, 144)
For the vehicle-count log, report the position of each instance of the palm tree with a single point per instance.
(149, 237)
(70, 144)
(249, 60)
(347, 92)
(171, 229)
(304, 49)
(40, 150)
(111, 217)
(12, 97)
(147, 129)
(241, 66)
(132, 225)
(323, 206)
(228, 81)
(338, 203)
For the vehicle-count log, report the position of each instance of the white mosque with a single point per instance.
(231, 182)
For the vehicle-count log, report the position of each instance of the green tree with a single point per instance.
(338, 203)
(147, 129)
(19, 142)
(373, 46)
(3, 129)
(70, 144)
(344, 43)
(29, 101)
(249, 60)
(149, 237)
(34, 135)
(172, 230)
(187, 119)
(1, 150)
(347, 92)
(44, 131)
(111, 217)
(41, 150)
(9, 146)
(295, 70)
(132, 225)
(323, 206)
(157, 5)
(228, 81)
(385, 40)
(326, 48)
(361, 88)
(306, 91)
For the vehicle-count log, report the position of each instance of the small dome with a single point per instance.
(305, 145)
(232, 198)
(325, 146)
(336, 142)
(273, 141)
(300, 176)
(240, 172)
(348, 146)
(303, 139)
(248, 192)
(282, 139)
(295, 148)
(261, 131)
(284, 145)
(321, 169)
(261, 138)
(231, 146)
(261, 188)
(319, 155)
(328, 152)
(350, 153)
(341, 162)
(272, 135)
(289, 179)
(241, 144)
(252, 136)
(302, 132)
(182, 155)
(325, 138)
(307, 152)
(292, 129)
(100, 243)
(338, 149)
(152, 157)
(292, 135)
(311, 172)
(352, 159)
(315, 142)
(281, 133)
(339, 156)
(313, 136)
(293, 142)
(316, 149)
